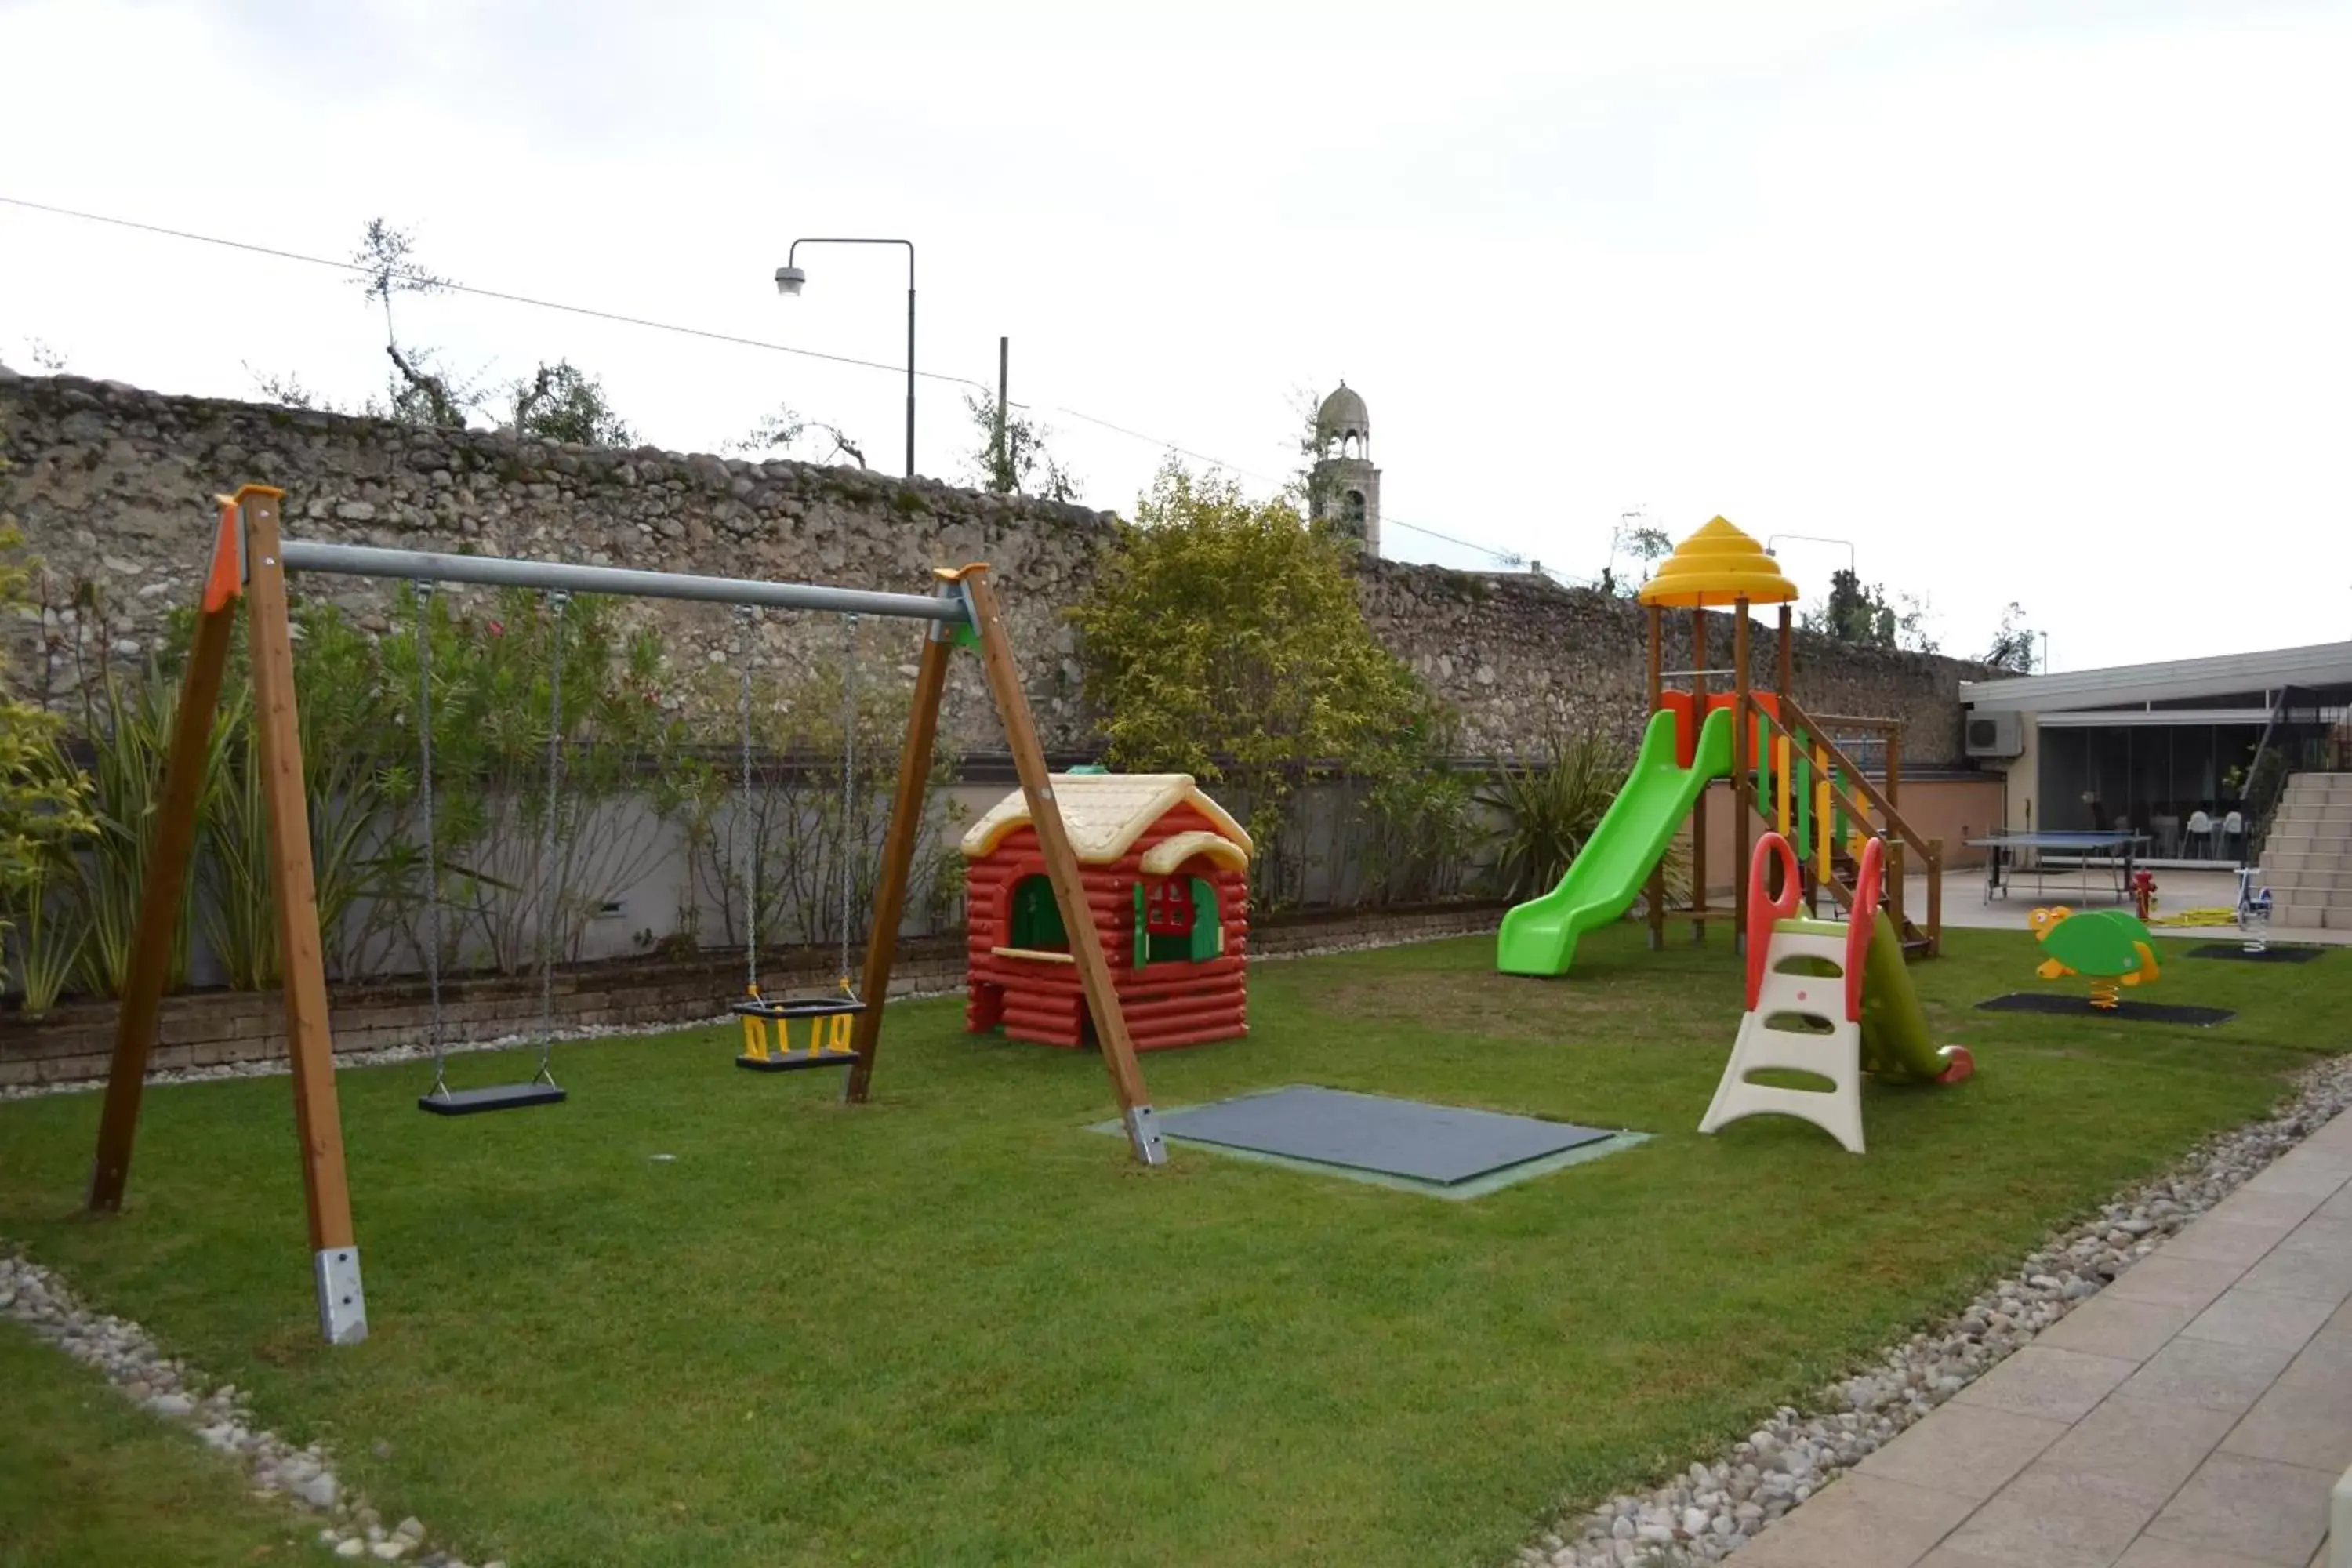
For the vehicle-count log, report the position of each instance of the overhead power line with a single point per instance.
(1506, 557)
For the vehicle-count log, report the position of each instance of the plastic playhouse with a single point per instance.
(1793, 776)
(1166, 872)
(1830, 999)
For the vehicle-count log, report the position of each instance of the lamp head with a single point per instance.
(789, 279)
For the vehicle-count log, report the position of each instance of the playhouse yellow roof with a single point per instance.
(1718, 565)
(1104, 814)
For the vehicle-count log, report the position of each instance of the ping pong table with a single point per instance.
(2115, 851)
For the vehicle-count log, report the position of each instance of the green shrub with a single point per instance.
(1223, 638)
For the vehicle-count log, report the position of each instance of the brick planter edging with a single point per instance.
(75, 1043)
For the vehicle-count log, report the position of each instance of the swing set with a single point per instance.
(250, 563)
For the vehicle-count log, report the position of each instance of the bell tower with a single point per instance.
(1343, 489)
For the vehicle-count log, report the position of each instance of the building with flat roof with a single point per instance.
(2190, 752)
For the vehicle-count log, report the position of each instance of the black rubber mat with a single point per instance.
(2264, 955)
(1439, 1143)
(2080, 1006)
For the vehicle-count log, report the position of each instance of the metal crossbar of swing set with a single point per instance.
(553, 576)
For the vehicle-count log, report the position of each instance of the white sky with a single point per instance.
(2034, 301)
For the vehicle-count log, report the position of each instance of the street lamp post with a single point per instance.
(789, 278)
(1814, 539)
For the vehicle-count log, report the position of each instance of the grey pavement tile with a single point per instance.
(2244, 1316)
(2144, 1450)
(2111, 1325)
(2054, 1385)
(2209, 1373)
(2266, 1207)
(2307, 1424)
(2148, 1551)
(2317, 1181)
(2256, 1508)
(1858, 1521)
(2049, 1518)
(2175, 1281)
(2216, 1240)
(1966, 1450)
(2290, 1269)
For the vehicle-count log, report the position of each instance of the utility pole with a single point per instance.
(1003, 362)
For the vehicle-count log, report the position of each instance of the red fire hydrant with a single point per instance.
(2143, 893)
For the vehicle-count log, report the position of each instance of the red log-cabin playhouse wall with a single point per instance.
(1173, 999)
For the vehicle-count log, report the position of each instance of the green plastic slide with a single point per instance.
(1539, 937)
(1894, 1041)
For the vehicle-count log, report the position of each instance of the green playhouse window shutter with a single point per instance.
(1206, 925)
(1142, 930)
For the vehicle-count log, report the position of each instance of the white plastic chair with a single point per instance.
(2200, 827)
(2233, 831)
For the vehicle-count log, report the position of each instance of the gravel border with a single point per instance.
(220, 1417)
(1709, 1511)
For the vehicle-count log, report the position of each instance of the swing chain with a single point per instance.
(556, 600)
(744, 817)
(432, 861)
(848, 779)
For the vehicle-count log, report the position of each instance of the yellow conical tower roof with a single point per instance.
(1718, 565)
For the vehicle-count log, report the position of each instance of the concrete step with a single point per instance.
(2308, 884)
(2284, 862)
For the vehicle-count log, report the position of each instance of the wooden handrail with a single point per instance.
(1796, 718)
(1788, 720)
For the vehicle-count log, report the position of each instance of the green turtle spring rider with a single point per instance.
(2110, 946)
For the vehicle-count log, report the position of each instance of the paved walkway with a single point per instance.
(2192, 1414)
(1965, 904)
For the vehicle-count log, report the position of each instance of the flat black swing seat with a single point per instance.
(493, 1097)
(780, 1012)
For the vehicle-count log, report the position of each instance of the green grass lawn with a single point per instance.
(89, 1480)
(955, 1327)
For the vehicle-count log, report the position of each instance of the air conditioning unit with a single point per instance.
(1996, 735)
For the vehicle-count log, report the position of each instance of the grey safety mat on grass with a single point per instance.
(2080, 1006)
(1440, 1143)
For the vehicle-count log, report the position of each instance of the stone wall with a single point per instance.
(112, 485)
(1519, 654)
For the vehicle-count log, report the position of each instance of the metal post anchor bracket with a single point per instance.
(342, 1305)
(1143, 1137)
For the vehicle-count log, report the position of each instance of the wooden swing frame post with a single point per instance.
(167, 865)
(246, 546)
(250, 560)
(1062, 867)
